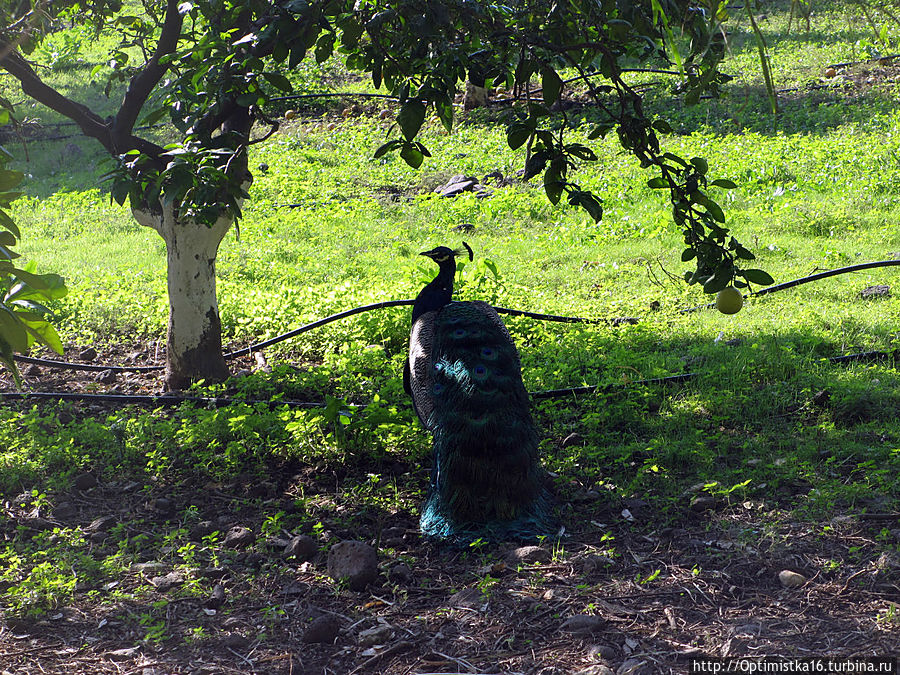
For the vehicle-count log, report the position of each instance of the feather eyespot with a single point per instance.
(439, 367)
(459, 332)
(438, 388)
(488, 353)
(480, 371)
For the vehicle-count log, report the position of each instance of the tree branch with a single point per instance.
(91, 123)
(144, 81)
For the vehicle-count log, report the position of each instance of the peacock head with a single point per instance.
(442, 253)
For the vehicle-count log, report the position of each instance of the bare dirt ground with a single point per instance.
(619, 593)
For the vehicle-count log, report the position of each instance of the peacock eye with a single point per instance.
(459, 332)
(438, 366)
(487, 352)
(438, 388)
(480, 371)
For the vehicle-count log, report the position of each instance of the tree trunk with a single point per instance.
(194, 342)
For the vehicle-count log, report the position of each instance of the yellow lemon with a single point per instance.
(729, 300)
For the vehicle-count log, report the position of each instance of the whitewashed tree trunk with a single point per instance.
(194, 343)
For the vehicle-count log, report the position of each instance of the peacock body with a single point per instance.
(464, 377)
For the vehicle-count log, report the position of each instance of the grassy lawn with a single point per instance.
(772, 456)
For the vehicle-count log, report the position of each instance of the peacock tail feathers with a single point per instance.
(466, 384)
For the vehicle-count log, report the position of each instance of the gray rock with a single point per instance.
(239, 537)
(378, 635)
(88, 354)
(85, 481)
(302, 547)
(879, 291)
(583, 624)
(64, 511)
(355, 561)
(217, 598)
(102, 524)
(202, 529)
(322, 630)
(107, 376)
(148, 567)
(168, 582)
(528, 554)
(401, 572)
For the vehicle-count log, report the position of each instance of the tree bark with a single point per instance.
(194, 341)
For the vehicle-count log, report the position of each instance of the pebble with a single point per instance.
(528, 555)
(302, 547)
(322, 630)
(583, 624)
(238, 537)
(355, 561)
(791, 579)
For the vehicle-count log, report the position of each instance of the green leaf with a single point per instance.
(657, 183)
(714, 210)
(517, 134)
(755, 276)
(325, 48)
(279, 81)
(700, 165)
(387, 147)
(724, 183)
(688, 254)
(411, 117)
(551, 85)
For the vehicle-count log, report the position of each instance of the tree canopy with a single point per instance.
(210, 68)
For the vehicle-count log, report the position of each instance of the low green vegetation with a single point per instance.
(767, 417)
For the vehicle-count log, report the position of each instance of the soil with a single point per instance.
(626, 590)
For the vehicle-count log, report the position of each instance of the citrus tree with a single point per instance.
(209, 67)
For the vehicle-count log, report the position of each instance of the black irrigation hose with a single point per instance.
(574, 391)
(259, 346)
(162, 400)
(805, 280)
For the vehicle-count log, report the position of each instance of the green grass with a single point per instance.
(818, 188)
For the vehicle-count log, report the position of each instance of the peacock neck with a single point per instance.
(438, 292)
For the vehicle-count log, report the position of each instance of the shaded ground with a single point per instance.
(619, 591)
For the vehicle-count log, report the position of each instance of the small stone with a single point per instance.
(64, 511)
(393, 536)
(378, 635)
(573, 439)
(467, 598)
(238, 537)
(88, 354)
(702, 503)
(596, 669)
(302, 547)
(355, 561)
(32, 371)
(168, 582)
(38, 523)
(582, 624)
(593, 563)
(108, 376)
(102, 524)
(164, 506)
(235, 641)
(632, 667)
(217, 598)
(528, 555)
(122, 654)
(790, 579)
(400, 572)
(879, 291)
(85, 481)
(202, 529)
(322, 630)
(148, 567)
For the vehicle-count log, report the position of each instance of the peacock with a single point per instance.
(464, 376)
